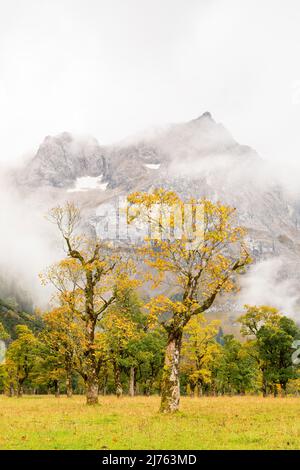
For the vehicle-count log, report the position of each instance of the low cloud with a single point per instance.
(264, 285)
(28, 243)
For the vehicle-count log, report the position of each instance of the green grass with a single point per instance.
(40, 422)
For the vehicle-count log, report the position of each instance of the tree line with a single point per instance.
(102, 335)
(131, 356)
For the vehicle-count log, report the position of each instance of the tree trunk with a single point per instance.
(170, 390)
(92, 387)
(151, 384)
(69, 386)
(103, 387)
(56, 389)
(20, 389)
(283, 389)
(10, 390)
(192, 389)
(199, 389)
(264, 384)
(131, 382)
(119, 388)
(92, 380)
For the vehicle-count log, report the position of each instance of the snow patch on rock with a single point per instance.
(152, 166)
(86, 183)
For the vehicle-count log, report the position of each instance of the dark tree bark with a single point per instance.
(56, 389)
(283, 389)
(192, 389)
(264, 384)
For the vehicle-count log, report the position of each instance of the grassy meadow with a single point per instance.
(42, 422)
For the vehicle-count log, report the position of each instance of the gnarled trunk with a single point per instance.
(92, 386)
(92, 382)
(170, 390)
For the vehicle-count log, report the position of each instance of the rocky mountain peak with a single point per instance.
(63, 158)
(205, 115)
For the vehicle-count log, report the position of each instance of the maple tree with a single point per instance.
(87, 282)
(120, 328)
(132, 347)
(63, 342)
(200, 351)
(198, 265)
(20, 358)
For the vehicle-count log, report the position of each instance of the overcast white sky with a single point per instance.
(113, 67)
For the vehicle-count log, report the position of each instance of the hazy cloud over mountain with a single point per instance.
(109, 68)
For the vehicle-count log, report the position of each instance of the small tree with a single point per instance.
(198, 265)
(120, 328)
(64, 344)
(200, 350)
(21, 357)
(132, 348)
(271, 336)
(147, 356)
(3, 333)
(3, 373)
(236, 370)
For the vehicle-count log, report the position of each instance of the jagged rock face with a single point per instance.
(60, 160)
(179, 150)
